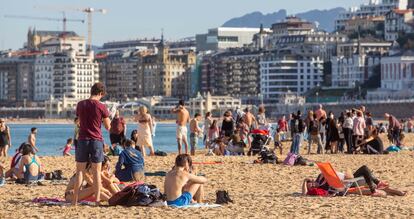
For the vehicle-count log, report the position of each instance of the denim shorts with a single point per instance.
(89, 150)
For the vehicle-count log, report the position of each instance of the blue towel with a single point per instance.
(197, 205)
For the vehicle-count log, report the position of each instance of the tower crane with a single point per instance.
(89, 12)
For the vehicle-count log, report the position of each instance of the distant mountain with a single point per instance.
(325, 18)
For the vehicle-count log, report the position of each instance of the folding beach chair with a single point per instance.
(335, 183)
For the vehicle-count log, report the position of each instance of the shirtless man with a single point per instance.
(195, 131)
(32, 139)
(181, 185)
(249, 118)
(320, 113)
(183, 117)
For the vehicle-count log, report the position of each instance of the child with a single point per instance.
(109, 181)
(68, 147)
(278, 141)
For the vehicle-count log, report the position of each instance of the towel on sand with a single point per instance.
(57, 201)
(197, 205)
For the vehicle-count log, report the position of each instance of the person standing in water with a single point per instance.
(183, 117)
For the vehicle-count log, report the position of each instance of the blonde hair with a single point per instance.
(143, 110)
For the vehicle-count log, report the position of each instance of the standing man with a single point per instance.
(195, 131)
(320, 113)
(394, 127)
(249, 119)
(32, 139)
(91, 113)
(282, 125)
(117, 131)
(298, 127)
(183, 117)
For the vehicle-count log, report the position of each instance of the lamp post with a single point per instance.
(317, 93)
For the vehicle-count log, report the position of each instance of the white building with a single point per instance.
(281, 73)
(397, 72)
(59, 44)
(373, 8)
(398, 22)
(217, 105)
(226, 37)
(349, 71)
(74, 75)
(43, 74)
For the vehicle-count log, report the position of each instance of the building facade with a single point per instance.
(283, 72)
(398, 22)
(397, 72)
(235, 73)
(16, 79)
(373, 9)
(43, 77)
(226, 37)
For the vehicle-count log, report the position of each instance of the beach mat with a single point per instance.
(197, 205)
(156, 173)
(58, 202)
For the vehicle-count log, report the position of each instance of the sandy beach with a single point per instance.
(259, 190)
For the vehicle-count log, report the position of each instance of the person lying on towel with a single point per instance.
(182, 186)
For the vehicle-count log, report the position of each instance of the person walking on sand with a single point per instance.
(91, 113)
(145, 130)
(182, 185)
(5, 139)
(183, 117)
(32, 139)
(208, 121)
(195, 131)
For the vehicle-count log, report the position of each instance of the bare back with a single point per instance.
(174, 182)
(182, 116)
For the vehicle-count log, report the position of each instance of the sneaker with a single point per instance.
(2, 181)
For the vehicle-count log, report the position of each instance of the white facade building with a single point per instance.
(397, 22)
(43, 74)
(226, 37)
(348, 71)
(397, 72)
(74, 75)
(59, 44)
(373, 8)
(284, 73)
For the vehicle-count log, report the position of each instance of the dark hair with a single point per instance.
(299, 113)
(315, 116)
(181, 103)
(26, 149)
(75, 119)
(134, 132)
(106, 160)
(208, 114)
(70, 140)
(182, 159)
(98, 88)
(349, 114)
(129, 143)
(214, 124)
(33, 129)
(197, 115)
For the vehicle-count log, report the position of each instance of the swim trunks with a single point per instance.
(181, 132)
(183, 200)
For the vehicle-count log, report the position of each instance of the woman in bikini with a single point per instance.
(145, 130)
(30, 168)
(5, 140)
(86, 192)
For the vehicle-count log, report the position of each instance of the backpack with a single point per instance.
(267, 156)
(290, 159)
(122, 197)
(145, 195)
(160, 153)
(222, 197)
(300, 161)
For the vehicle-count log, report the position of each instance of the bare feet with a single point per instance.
(379, 193)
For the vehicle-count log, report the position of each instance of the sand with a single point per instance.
(259, 191)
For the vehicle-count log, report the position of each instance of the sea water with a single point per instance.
(52, 137)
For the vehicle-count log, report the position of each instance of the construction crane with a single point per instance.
(89, 12)
(63, 20)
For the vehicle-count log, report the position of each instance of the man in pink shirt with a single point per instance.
(91, 113)
(320, 113)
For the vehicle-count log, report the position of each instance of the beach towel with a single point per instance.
(58, 201)
(393, 148)
(197, 205)
(157, 173)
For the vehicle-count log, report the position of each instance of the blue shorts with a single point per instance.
(183, 200)
(89, 150)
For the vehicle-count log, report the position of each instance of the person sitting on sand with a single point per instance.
(109, 181)
(87, 191)
(133, 163)
(30, 168)
(68, 147)
(182, 186)
(236, 146)
(376, 187)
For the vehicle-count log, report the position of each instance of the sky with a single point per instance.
(131, 19)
